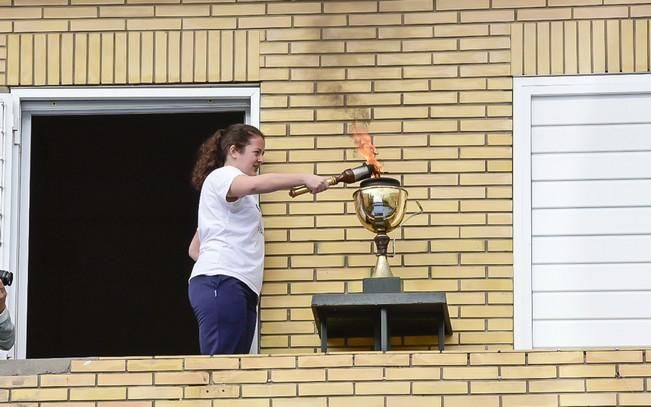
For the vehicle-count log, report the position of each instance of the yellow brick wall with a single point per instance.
(133, 57)
(433, 79)
(427, 379)
(580, 47)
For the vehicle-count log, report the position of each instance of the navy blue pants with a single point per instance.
(226, 310)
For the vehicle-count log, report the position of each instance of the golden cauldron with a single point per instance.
(380, 204)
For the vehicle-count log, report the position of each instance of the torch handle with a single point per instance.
(303, 189)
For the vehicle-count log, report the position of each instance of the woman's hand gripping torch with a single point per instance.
(349, 176)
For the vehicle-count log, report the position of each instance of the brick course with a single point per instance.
(540, 378)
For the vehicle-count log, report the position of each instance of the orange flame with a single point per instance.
(365, 147)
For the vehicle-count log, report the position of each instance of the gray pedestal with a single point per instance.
(380, 315)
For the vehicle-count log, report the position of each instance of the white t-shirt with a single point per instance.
(231, 233)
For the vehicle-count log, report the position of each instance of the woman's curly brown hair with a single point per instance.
(212, 153)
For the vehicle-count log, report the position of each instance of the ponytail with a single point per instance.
(209, 157)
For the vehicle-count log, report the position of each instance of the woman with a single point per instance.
(7, 329)
(229, 244)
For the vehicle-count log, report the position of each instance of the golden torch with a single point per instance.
(348, 176)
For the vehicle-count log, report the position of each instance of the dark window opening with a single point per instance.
(111, 215)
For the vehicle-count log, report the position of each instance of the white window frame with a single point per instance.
(524, 90)
(8, 124)
(27, 102)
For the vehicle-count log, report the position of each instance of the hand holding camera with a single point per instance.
(7, 277)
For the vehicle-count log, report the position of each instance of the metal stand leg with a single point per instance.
(324, 335)
(441, 335)
(384, 330)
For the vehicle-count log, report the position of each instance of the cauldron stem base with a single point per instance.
(382, 268)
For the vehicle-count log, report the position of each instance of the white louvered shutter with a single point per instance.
(591, 220)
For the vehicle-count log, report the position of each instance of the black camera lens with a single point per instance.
(7, 277)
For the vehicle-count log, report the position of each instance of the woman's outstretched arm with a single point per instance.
(260, 184)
